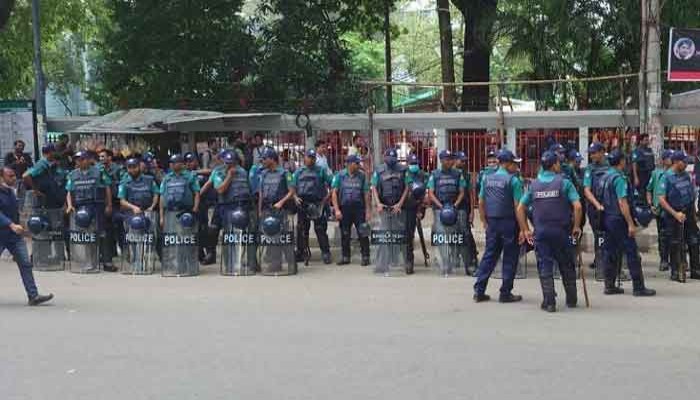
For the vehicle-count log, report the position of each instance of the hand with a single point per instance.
(16, 228)
(631, 230)
(420, 215)
(278, 205)
(600, 207)
(396, 209)
(679, 216)
(108, 210)
(485, 224)
(576, 233)
(136, 210)
(230, 172)
(162, 224)
(69, 209)
(149, 209)
(338, 215)
(368, 215)
(438, 205)
(380, 208)
(195, 210)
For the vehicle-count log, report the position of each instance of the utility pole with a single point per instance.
(387, 53)
(651, 121)
(40, 90)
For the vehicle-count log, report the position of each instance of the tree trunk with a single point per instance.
(479, 17)
(446, 54)
(387, 54)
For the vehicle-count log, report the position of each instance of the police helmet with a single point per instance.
(270, 153)
(187, 220)
(37, 224)
(364, 229)
(643, 214)
(229, 157)
(176, 158)
(413, 159)
(312, 210)
(83, 217)
(448, 215)
(190, 156)
(417, 190)
(239, 218)
(137, 222)
(271, 225)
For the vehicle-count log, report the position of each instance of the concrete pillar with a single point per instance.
(441, 139)
(511, 138)
(583, 144)
(376, 145)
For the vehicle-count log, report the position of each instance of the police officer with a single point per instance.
(465, 209)
(499, 196)
(207, 199)
(11, 236)
(557, 219)
(90, 186)
(149, 166)
(677, 197)
(415, 205)
(219, 168)
(592, 177)
(310, 184)
(274, 185)
(179, 189)
(137, 192)
(47, 180)
(653, 195)
(490, 167)
(642, 163)
(620, 228)
(114, 229)
(388, 184)
(351, 204)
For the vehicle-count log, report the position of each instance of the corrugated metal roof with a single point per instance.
(140, 121)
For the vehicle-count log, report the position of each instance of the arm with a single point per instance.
(336, 205)
(69, 203)
(230, 173)
(434, 199)
(368, 207)
(521, 215)
(460, 197)
(162, 212)
(126, 205)
(482, 212)
(206, 187)
(197, 198)
(591, 198)
(625, 210)
(578, 215)
(635, 174)
(679, 216)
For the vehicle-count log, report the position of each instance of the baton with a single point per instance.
(426, 256)
(683, 266)
(583, 275)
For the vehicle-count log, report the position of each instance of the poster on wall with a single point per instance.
(18, 122)
(684, 55)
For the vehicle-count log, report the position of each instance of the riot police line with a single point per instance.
(259, 219)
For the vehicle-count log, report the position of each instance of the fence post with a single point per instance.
(376, 146)
(511, 139)
(583, 144)
(310, 141)
(441, 139)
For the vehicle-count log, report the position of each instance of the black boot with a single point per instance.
(640, 290)
(611, 287)
(344, 260)
(694, 253)
(40, 298)
(571, 293)
(364, 250)
(549, 302)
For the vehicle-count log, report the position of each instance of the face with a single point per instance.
(644, 142)
(258, 140)
(84, 162)
(667, 162)
(105, 158)
(309, 161)
(321, 149)
(178, 166)
(353, 167)
(8, 175)
(684, 50)
(134, 170)
(556, 167)
(19, 147)
(512, 167)
(597, 156)
(192, 165)
(491, 161)
(446, 163)
(622, 164)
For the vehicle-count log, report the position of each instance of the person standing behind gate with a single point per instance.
(465, 208)
(416, 181)
(557, 219)
(499, 196)
(653, 194)
(351, 203)
(642, 163)
(620, 229)
(20, 162)
(677, 197)
(11, 236)
(310, 184)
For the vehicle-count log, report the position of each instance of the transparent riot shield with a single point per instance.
(388, 239)
(277, 251)
(139, 256)
(238, 247)
(447, 241)
(520, 269)
(179, 253)
(48, 246)
(468, 253)
(84, 247)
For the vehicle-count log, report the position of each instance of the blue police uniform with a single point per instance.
(499, 191)
(178, 191)
(351, 196)
(412, 207)
(552, 196)
(207, 242)
(311, 184)
(644, 158)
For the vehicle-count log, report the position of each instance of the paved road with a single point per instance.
(339, 333)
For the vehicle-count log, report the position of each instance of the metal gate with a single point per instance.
(341, 143)
(682, 138)
(531, 143)
(475, 144)
(421, 143)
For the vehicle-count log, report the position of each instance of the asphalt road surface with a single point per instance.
(340, 333)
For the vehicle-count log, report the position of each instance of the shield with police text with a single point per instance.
(448, 241)
(84, 245)
(48, 245)
(276, 246)
(238, 247)
(140, 244)
(388, 238)
(179, 241)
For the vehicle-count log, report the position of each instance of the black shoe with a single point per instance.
(591, 265)
(663, 267)
(343, 261)
(613, 290)
(108, 267)
(644, 292)
(365, 261)
(479, 298)
(209, 259)
(326, 258)
(510, 298)
(40, 298)
(549, 307)
(409, 270)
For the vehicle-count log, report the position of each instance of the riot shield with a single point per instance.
(448, 242)
(48, 246)
(520, 269)
(468, 254)
(238, 247)
(277, 250)
(84, 247)
(140, 246)
(388, 237)
(179, 253)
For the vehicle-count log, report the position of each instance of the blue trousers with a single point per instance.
(501, 236)
(617, 242)
(18, 248)
(553, 245)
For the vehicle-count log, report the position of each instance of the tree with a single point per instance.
(446, 53)
(5, 11)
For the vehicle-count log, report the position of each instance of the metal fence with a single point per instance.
(531, 143)
(421, 143)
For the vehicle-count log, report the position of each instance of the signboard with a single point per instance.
(18, 122)
(684, 55)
